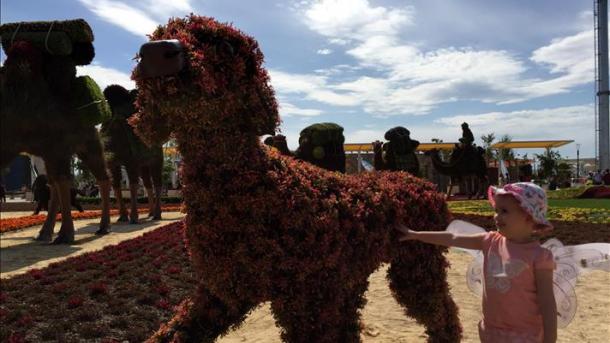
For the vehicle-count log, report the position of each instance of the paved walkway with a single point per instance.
(20, 253)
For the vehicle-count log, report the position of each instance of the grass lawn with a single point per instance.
(581, 203)
(575, 203)
(582, 210)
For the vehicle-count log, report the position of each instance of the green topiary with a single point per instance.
(63, 38)
(88, 101)
(322, 145)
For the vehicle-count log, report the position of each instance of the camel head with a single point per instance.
(198, 75)
(24, 61)
(121, 101)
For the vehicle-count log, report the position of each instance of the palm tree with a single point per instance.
(506, 154)
(548, 163)
(489, 151)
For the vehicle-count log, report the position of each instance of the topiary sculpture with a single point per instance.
(265, 227)
(279, 142)
(466, 164)
(322, 144)
(49, 112)
(124, 148)
(398, 153)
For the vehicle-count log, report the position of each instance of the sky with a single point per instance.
(520, 68)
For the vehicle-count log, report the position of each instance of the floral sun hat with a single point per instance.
(530, 196)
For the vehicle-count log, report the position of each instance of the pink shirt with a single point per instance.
(510, 307)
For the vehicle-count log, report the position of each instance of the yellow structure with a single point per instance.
(530, 144)
(368, 147)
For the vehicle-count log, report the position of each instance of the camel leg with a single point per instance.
(91, 153)
(150, 195)
(202, 319)
(326, 315)
(418, 280)
(449, 188)
(105, 194)
(46, 232)
(133, 177)
(66, 232)
(116, 188)
(156, 173)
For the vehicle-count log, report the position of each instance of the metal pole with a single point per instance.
(604, 123)
(577, 161)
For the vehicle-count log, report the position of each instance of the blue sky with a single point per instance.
(523, 68)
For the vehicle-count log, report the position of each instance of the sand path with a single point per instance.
(383, 318)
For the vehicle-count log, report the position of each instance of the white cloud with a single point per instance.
(125, 16)
(324, 51)
(314, 87)
(569, 122)
(140, 20)
(344, 20)
(106, 76)
(287, 109)
(572, 56)
(410, 80)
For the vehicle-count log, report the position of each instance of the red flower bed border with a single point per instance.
(17, 223)
(121, 293)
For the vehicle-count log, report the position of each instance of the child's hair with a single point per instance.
(530, 197)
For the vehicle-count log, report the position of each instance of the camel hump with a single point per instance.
(62, 38)
(88, 101)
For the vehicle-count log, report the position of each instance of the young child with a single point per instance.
(518, 300)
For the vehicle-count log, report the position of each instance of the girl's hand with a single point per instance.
(407, 234)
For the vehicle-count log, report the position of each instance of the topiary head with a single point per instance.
(24, 60)
(197, 72)
(121, 100)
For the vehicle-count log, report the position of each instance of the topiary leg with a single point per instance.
(418, 281)
(46, 232)
(202, 319)
(324, 313)
(116, 187)
(66, 232)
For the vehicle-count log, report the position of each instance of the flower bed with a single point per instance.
(589, 215)
(12, 224)
(123, 292)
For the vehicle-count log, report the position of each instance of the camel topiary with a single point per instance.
(398, 153)
(322, 145)
(49, 112)
(124, 148)
(265, 227)
(465, 164)
(42, 194)
(279, 142)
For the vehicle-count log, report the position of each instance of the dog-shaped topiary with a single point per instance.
(265, 227)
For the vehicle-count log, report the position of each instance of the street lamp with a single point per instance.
(577, 160)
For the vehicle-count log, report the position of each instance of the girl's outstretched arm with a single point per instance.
(445, 238)
(546, 300)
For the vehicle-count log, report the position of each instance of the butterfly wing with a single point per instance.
(565, 299)
(474, 275)
(572, 261)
